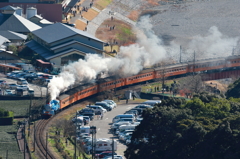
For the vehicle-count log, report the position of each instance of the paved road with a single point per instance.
(103, 126)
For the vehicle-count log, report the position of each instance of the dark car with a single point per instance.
(86, 110)
(105, 153)
(138, 109)
(91, 115)
(144, 106)
(104, 105)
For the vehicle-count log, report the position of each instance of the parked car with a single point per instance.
(3, 81)
(111, 102)
(97, 108)
(90, 115)
(23, 87)
(105, 153)
(144, 106)
(104, 105)
(8, 92)
(87, 119)
(12, 86)
(114, 157)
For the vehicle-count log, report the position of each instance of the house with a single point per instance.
(60, 44)
(9, 20)
(15, 38)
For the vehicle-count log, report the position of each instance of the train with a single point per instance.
(174, 70)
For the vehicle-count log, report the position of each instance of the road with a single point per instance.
(103, 126)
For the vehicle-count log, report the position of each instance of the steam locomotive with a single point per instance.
(221, 67)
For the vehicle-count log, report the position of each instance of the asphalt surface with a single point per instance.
(38, 90)
(103, 126)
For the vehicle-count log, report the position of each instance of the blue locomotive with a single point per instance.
(51, 108)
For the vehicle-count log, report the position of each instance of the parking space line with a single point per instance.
(129, 107)
(106, 118)
(98, 129)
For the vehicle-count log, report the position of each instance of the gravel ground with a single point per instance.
(183, 21)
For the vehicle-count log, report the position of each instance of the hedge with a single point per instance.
(6, 117)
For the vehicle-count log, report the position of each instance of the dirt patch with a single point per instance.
(116, 32)
(220, 86)
(90, 14)
(80, 25)
(134, 15)
(101, 4)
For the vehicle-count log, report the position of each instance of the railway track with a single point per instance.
(41, 140)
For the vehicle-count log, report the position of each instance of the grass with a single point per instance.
(18, 107)
(101, 4)
(8, 142)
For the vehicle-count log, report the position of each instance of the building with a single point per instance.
(15, 38)
(39, 20)
(51, 12)
(60, 44)
(9, 20)
(7, 61)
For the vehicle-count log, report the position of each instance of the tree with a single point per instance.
(234, 90)
(12, 48)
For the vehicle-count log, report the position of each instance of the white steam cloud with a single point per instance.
(148, 50)
(130, 60)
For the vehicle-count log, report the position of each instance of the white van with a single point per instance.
(102, 144)
(123, 128)
(118, 117)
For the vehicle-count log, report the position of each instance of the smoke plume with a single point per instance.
(130, 60)
(147, 51)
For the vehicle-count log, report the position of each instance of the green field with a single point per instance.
(8, 142)
(19, 107)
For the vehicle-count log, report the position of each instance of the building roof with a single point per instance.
(39, 49)
(45, 53)
(8, 8)
(3, 40)
(17, 23)
(12, 35)
(60, 31)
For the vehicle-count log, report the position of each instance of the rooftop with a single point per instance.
(60, 31)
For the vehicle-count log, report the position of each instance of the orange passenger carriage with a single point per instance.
(86, 90)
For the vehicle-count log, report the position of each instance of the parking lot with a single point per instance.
(103, 126)
(38, 90)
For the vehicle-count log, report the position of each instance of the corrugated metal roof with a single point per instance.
(8, 8)
(33, 45)
(60, 31)
(17, 23)
(12, 35)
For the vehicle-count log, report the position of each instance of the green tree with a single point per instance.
(234, 90)
(12, 48)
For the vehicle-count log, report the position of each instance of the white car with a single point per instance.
(115, 157)
(23, 87)
(111, 102)
(12, 86)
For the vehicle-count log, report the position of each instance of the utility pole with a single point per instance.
(180, 59)
(29, 116)
(46, 144)
(75, 148)
(24, 138)
(194, 59)
(112, 148)
(34, 138)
